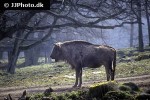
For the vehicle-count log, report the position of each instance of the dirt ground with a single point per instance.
(142, 81)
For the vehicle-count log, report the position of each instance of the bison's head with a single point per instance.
(57, 53)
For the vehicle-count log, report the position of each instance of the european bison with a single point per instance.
(81, 54)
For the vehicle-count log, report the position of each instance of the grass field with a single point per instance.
(61, 74)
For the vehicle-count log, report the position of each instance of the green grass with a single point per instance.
(133, 68)
(46, 74)
(54, 74)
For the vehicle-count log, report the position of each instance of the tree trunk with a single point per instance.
(147, 17)
(1, 55)
(28, 57)
(31, 57)
(38, 42)
(141, 44)
(9, 56)
(131, 33)
(14, 56)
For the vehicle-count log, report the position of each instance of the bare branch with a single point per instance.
(41, 40)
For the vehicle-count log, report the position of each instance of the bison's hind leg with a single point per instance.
(113, 70)
(80, 78)
(107, 73)
(112, 75)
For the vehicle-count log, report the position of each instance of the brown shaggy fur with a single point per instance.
(81, 54)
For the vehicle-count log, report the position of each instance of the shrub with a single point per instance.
(117, 95)
(143, 97)
(100, 89)
(124, 88)
(133, 86)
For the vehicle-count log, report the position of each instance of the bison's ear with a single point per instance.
(58, 44)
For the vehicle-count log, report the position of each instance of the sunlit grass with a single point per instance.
(56, 74)
(133, 68)
(46, 74)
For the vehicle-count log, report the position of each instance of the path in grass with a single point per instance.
(141, 81)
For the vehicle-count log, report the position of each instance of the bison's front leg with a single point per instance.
(78, 73)
(77, 76)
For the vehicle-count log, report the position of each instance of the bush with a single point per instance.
(117, 95)
(143, 97)
(132, 86)
(124, 88)
(100, 89)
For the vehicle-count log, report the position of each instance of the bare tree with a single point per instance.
(66, 13)
(136, 7)
(147, 12)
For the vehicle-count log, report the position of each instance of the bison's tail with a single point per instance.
(113, 66)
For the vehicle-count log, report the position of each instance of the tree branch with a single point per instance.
(81, 25)
(41, 40)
